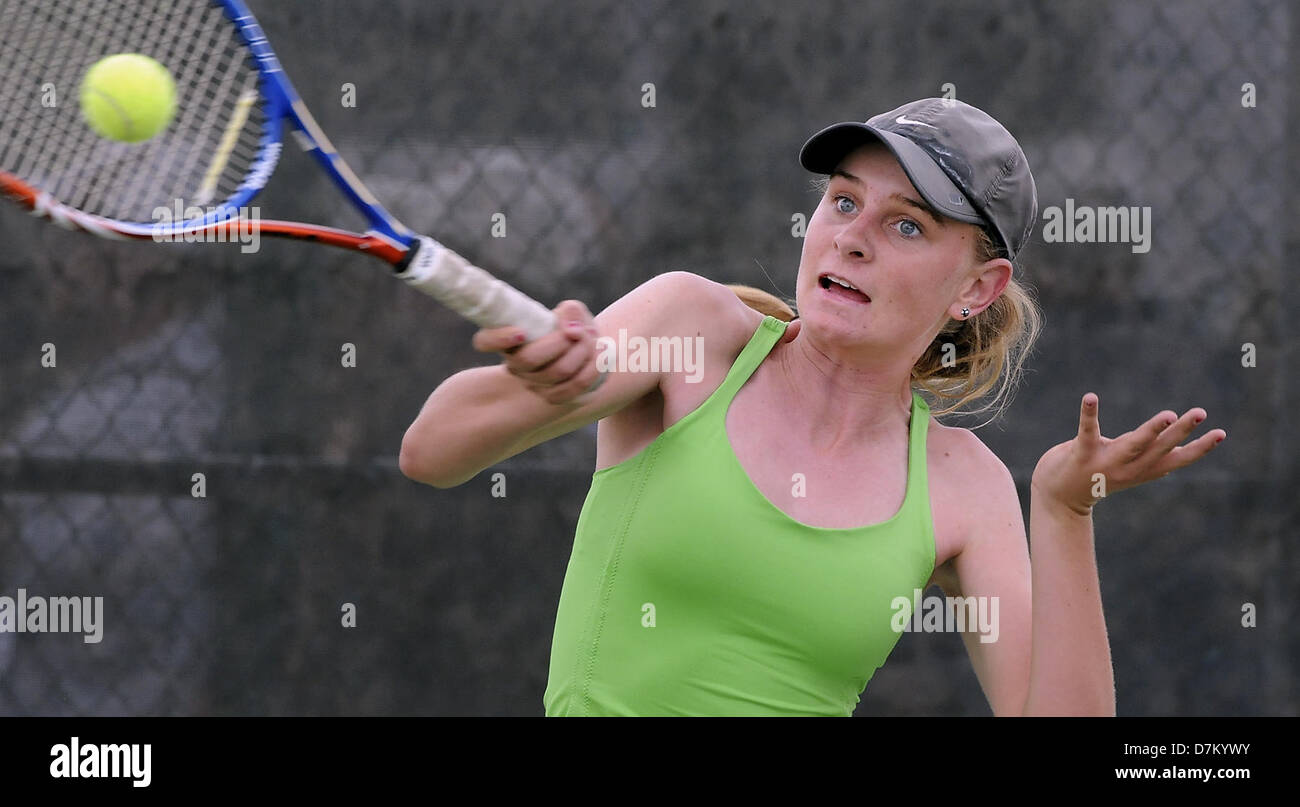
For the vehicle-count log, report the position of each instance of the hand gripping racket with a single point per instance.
(233, 105)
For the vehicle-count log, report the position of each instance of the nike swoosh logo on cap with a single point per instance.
(903, 119)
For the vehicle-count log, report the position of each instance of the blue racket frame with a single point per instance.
(281, 102)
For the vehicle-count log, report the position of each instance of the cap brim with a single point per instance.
(825, 150)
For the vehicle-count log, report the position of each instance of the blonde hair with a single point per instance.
(988, 350)
(763, 302)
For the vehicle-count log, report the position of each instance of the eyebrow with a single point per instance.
(916, 203)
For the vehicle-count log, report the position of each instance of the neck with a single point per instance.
(842, 405)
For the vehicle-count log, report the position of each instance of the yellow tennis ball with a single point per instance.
(128, 97)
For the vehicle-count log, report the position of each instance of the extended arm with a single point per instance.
(1052, 656)
(480, 417)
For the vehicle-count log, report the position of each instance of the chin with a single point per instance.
(829, 321)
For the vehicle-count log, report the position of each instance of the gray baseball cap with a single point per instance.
(965, 164)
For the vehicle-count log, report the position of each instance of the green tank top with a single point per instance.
(689, 593)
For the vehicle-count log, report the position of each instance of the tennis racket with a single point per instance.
(233, 106)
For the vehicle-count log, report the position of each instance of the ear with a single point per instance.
(983, 285)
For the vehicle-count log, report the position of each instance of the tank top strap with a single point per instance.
(760, 344)
(918, 486)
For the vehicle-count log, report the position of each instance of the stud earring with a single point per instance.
(965, 312)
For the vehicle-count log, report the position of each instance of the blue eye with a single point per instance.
(841, 201)
(909, 228)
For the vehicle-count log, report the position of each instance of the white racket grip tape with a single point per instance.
(473, 293)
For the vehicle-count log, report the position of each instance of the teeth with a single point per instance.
(846, 284)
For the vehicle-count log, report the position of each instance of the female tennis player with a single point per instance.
(752, 529)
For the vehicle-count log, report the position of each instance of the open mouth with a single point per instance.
(841, 289)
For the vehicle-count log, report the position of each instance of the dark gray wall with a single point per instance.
(176, 360)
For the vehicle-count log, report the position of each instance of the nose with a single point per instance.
(852, 241)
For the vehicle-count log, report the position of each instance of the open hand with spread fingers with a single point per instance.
(1067, 472)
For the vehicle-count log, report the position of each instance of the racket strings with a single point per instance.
(186, 29)
(202, 119)
(103, 30)
(49, 46)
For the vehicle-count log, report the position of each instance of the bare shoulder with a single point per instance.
(713, 318)
(711, 314)
(709, 308)
(965, 452)
(676, 306)
(964, 460)
(720, 324)
(968, 484)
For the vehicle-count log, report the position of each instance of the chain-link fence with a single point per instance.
(619, 141)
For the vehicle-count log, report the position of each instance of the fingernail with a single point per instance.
(1197, 420)
(575, 324)
(1220, 440)
(519, 338)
